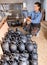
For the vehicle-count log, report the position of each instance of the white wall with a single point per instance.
(11, 1)
(45, 7)
(30, 4)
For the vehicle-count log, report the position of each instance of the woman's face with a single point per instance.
(36, 8)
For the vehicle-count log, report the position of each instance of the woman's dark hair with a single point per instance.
(39, 5)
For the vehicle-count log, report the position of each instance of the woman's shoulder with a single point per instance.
(32, 11)
(40, 13)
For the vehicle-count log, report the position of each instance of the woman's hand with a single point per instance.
(28, 19)
(28, 22)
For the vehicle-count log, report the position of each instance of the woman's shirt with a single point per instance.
(35, 17)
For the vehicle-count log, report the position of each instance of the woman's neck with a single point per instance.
(37, 11)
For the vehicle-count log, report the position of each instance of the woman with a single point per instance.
(35, 15)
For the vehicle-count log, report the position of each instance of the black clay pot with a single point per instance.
(9, 37)
(9, 23)
(22, 58)
(5, 47)
(29, 47)
(18, 31)
(34, 50)
(18, 23)
(35, 56)
(5, 57)
(10, 31)
(25, 55)
(34, 44)
(14, 63)
(5, 63)
(21, 47)
(13, 48)
(14, 42)
(34, 62)
(29, 36)
(13, 24)
(8, 40)
(24, 39)
(15, 56)
(24, 63)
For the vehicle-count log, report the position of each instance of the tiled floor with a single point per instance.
(3, 31)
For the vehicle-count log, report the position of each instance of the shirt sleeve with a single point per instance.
(37, 20)
(29, 13)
